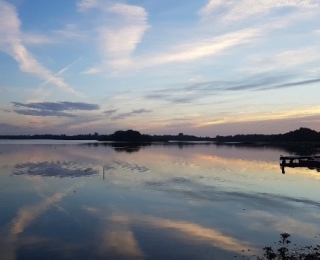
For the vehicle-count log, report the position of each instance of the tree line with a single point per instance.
(299, 135)
(119, 136)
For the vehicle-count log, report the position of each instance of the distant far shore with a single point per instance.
(302, 136)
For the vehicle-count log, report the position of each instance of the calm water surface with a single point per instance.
(76, 200)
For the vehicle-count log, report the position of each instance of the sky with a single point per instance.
(205, 67)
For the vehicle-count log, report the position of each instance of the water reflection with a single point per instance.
(129, 147)
(189, 231)
(26, 215)
(54, 169)
(263, 220)
(120, 146)
(116, 165)
(161, 201)
(291, 148)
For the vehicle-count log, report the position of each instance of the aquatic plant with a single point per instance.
(287, 251)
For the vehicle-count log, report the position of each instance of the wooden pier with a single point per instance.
(310, 162)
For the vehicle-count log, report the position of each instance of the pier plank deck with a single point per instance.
(310, 162)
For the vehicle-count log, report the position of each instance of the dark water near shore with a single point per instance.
(76, 200)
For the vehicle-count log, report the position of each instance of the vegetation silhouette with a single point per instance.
(135, 136)
(94, 136)
(127, 136)
(128, 147)
(287, 251)
(303, 136)
(118, 136)
(303, 141)
(300, 135)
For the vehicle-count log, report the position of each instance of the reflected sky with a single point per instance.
(54, 169)
(97, 201)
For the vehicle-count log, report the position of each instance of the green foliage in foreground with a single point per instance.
(286, 251)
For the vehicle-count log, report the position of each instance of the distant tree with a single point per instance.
(300, 135)
(130, 136)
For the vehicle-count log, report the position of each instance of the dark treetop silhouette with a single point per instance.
(299, 135)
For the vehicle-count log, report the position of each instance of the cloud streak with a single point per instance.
(201, 90)
(58, 106)
(191, 231)
(110, 112)
(32, 112)
(119, 35)
(208, 47)
(232, 11)
(131, 24)
(281, 224)
(53, 108)
(25, 217)
(284, 60)
(11, 42)
(259, 117)
(130, 114)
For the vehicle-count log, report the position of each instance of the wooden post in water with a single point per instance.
(282, 165)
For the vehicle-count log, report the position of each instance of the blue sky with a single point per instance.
(207, 67)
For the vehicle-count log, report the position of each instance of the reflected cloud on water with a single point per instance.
(263, 220)
(54, 169)
(116, 165)
(187, 188)
(189, 231)
(291, 148)
(26, 216)
(123, 236)
(161, 201)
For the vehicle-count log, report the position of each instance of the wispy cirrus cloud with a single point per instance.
(53, 108)
(284, 60)
(85, 5)
(189, 50)
(36, 39)
(58, 106)
(120, 28)
(129, 114)
(200, 49)
(34, 112)
(130, 23)
(110, 112)
(11, 42)
(71, 31)
(203, 89)
(255, 117)
(294, 84)
(230, 11)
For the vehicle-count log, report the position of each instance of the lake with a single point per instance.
(89, 200)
